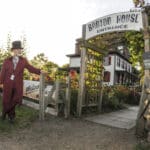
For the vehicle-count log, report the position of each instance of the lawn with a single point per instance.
(24, 117)
(144, 146)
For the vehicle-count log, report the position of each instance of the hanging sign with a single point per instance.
(115, 22)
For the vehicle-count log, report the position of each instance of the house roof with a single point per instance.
(125, 71)
(110, 52)
(119, 54)
(73, 55)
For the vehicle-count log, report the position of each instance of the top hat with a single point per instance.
(16, 45)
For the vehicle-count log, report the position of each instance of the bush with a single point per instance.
(73, 102)
(133, 98)
(110, 100)
(121, 92)
(140, 146)
(114, 97)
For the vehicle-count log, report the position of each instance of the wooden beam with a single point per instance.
(41, 101)
(100, 94)
(93, 47)
(68, 97)
(81, 92)
(141, 123)
(57, 96)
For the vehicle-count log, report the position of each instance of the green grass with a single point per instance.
(140, 146)
(24, 117)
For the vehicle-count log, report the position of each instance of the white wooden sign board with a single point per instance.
(123, 21)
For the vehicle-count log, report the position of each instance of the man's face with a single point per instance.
(16, 52)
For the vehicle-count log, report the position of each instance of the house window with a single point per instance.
(122, 64)
(118, 61)
(106, 76)
(105, 61)
(129, 69)
(125, 66)
(109, 60)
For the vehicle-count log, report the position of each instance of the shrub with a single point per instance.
(121, 93)
(110, 100)
(114, 97)
(73, 102)
(133, 98)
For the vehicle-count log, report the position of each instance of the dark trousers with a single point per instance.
(9, 107)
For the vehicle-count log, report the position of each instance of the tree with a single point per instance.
(39, 60)
(139, 3)
(62, 72)
(51, 68)
(135, 42)
(5, 52)
(42, 62)
(24, 45)
(1, 57)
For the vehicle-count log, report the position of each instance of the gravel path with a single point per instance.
(72, 134)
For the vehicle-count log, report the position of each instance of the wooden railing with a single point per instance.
(58, 95)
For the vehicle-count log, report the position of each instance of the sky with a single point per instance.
(52, 26)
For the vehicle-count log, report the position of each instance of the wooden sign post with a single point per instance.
(143, 119)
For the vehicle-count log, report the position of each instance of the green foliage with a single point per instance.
(110, 100)
(62, 73)
(73, 103)
(6, 52)
(135, 42)
(51, 68)
(94, 69)
(1, 57)
(133, 97)
(114, 97)
(42, 62)
(24, 44)
(142, 147)
(139, 3)
(39, 60)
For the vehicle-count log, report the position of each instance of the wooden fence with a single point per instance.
(58, 97)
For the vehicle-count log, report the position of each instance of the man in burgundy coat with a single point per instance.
(12, 79)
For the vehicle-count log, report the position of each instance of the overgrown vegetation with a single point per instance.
(114, 98)
(142, 147)
(135, 42)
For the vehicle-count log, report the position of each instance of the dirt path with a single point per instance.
(71, 134)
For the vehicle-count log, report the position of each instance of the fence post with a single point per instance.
(67, 100)
(57, 96)
(81, 92)
(41, 101)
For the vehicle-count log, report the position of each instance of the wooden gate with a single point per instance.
(58, 97)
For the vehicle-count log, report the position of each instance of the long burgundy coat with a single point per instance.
(17, 83)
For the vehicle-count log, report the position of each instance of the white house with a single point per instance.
(118, 69)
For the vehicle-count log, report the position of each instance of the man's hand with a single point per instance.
(44, 72)
(1, 86)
